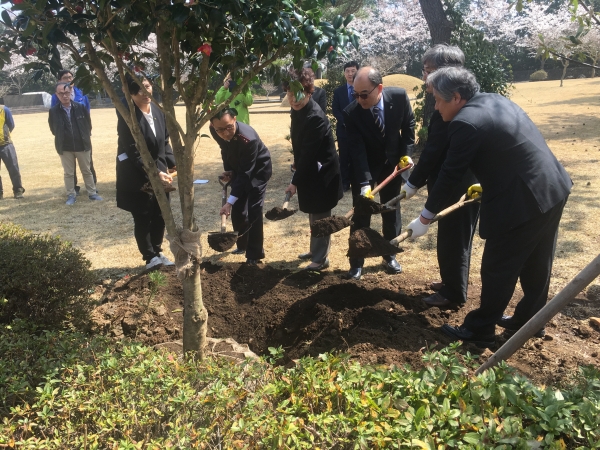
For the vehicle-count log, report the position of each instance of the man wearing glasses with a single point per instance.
(71, 126)
(247, 164)
(380, 127)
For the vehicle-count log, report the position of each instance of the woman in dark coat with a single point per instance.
(149, 226)
(317, 178)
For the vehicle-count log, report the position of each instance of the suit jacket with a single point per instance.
(340, 102)
(320, 97)
(131, 175)
(317, 175)
(247, 157)
(520, 176)
(368, 149)
(80, 114)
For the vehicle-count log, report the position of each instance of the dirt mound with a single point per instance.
(380, 319)
(368, 243)
(279, 213)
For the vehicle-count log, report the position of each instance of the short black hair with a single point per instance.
(62, 73)
(352, 64)
(224, 112)
(134, 88)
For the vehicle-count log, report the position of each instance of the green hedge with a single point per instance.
(42, 278)
(539, 75)
(66, 390)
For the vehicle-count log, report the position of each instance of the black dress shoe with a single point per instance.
(252, 262)
(306, 255)
(511, 324)
(324, 265)
(354, 274)
(466, 335)
(238, 251)
(392, 267)
(437, 300)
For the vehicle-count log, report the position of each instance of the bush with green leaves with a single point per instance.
(42, 278)
(538, 75)
(68, 390)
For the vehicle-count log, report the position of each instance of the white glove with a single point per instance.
(365, 191)
(418, 228)
(410, 191)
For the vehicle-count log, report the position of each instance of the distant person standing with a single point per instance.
(71, 126)
(241, 102)
(342, 97)
(8, 154)
(66, 76)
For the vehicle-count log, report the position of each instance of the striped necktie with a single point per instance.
(378, 122)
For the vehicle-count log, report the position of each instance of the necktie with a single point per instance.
(378, 122)
(350, 91)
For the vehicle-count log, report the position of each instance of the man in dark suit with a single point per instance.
(247, 164)
(342, 97)
(524, 192)
(319, 96)
(381, 130)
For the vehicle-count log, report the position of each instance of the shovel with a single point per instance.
(370, 244)
(333, 224)
(278, 213)
(222, 241)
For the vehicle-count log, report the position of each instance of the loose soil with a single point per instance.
(380, 319)
(279, 213)
(368, 243)
(329, 225)
(221, 242)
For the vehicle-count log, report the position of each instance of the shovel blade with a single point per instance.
(363, 205)
(368, 243)
(329, 225)
(221, 242)
(279, 213)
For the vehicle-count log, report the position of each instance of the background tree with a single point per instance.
(196, 43)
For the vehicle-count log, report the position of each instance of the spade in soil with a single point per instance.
(278, 213)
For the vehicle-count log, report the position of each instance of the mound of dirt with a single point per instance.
(406, 82)
(279, 213)
(329, 225)
(379, 319)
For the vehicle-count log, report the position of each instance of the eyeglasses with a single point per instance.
(64, 94)
(363, 96)
(227, 128)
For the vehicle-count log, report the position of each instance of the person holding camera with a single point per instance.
(240, 102)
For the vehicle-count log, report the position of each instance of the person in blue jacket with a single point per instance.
(66, 76)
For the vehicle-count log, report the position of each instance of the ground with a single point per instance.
(382, 317)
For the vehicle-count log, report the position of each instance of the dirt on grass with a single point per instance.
(380, 319)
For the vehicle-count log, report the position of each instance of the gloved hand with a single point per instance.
(365, 191)
(418, 228)
(474, 191)
(409, 191)
(404, 162)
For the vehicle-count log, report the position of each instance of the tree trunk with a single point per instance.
(565, 63)
(543, 62)
(440, 29)
(195, 317)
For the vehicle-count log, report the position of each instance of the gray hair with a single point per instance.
(62, 83)
(374, 76)
(448, 80)
(442, 55)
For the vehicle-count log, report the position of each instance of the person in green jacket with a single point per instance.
(240, 102)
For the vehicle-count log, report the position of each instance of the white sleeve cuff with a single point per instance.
(427, 214)
(231, 200)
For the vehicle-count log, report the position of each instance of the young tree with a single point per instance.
(196, 42)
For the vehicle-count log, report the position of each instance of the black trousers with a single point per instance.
(391, 221)
(149, 230)
(91, 169)
(524, 253)
(246, 212)
(344, 162)
(454, 243)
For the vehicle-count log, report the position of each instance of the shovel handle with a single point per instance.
(394, 174)
(349, 214)
(391, 203)
(223, 223)
(288, 195)
(443, 213)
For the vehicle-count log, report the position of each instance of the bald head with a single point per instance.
(368, 84)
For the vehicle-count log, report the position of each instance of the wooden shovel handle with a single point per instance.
(443, 213)
(394, 174)
(288, 195)
(223, 223)
(391, 203)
